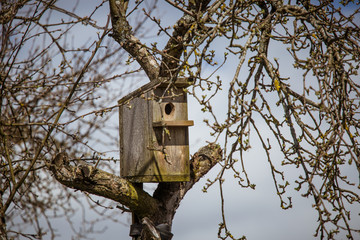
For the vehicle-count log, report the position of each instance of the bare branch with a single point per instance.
(123, 35)
(87, 178)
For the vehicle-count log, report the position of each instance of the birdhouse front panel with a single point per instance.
(154, 140)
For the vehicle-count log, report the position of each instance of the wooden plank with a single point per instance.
(180, 82)
(175, 123)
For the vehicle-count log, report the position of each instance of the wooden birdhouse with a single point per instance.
(154, 139)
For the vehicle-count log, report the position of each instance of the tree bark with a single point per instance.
(122, 33)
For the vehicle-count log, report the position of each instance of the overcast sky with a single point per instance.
(256, 214)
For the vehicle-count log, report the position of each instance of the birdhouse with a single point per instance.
(154, 139)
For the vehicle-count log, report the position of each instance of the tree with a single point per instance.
(312, 115)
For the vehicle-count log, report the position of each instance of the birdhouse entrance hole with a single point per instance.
(169, 108)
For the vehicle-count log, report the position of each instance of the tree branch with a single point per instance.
(123, 35)
(180, 37)
(95, 181)
(167, 196)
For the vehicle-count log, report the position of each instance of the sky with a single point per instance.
(254, 213)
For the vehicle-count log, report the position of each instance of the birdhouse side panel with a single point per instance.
(135, 124)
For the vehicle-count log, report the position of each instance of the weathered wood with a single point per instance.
(180, 123)
(154, 145)
(159, 82)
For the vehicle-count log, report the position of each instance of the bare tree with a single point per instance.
(313, 115)
(53, 85)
